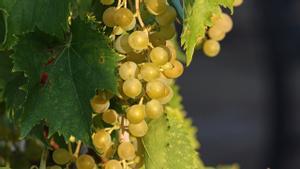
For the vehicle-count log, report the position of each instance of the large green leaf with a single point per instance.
(62, 79)
(198, 15)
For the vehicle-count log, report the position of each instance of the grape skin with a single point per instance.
(136, 113)
(211, 48)
(132, 87)
(85, 162)
(126, 151)
(61, 156)
(139, 129)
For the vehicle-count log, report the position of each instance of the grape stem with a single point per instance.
(138, 13)
(77, 150)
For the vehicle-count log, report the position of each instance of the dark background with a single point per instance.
(246, 101)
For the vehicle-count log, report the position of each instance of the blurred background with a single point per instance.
(246, 101)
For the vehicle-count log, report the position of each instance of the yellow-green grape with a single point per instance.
(154, 109)
(99, 104)
(211, 48)
(136, 57)
(223, 22)
(132, 87)
(110, 116)
(167, 32)
(108, 16)
(61, 156)
(101, 140)
(107, 2)
(131, 25)
(113, 164)
(123, 17)
(155, 89)
(157, 39)
(149, 72)
(175, 71)
(156, 7)
(159, 56)
(168, 96)
(138, 162)
(126, 151)
(167, 17)
(121, 44)
(216, 34)
(85, 162)
(128, 70)
(54, 167)
(237, 3)
(139, 129)
(138, 40)
(118, 30)
(136, 113)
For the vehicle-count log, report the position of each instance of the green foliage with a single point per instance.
(198, 15)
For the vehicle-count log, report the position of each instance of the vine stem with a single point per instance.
(138, 13)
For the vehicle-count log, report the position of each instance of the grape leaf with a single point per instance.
(178, 7)
(198, 15)
(63, 78)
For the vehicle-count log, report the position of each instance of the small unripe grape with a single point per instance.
(85, 162)
(128, 70)
(126, 151)
(167, 17)
(61, 156)
(113, 164)
(159, 56)
(167, 97)
(108, 16)
(136, 113)
(175, 71)
(154, 109)
(107, 2)
(149, 72)
(157, 39)
(216, 34)
(237, 3)
(110, 116)
(132, 87)
(131, 25)
(138, 40)
(211, 48)
(156, 7)
(136, 57)
(139, 129)
(99, 104)
(101, 140)
(155, 89)
(123, 17)
(223, 22)
(168, 31)
(121, 44)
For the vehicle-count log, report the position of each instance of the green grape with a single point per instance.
(131, 25)
(216, 34)
(108, 16)
(149, 72)
(167, 32)
(167, 17)
(110, 116)
(54, 167)
(123, 17)
(156, 7)
(139, 129)
(85, 162)
(113, 164)
(155, 89)
(157, 39)
(128, 70)
(159, 56)
(237, 3)
(121, 44)
(175, 71)
(99, 104)
(107, 2)
(223, 22)
(136, 113)
(211, 48)
(136, 57)
(101, 140)
(167, 97)
(132, 87)
(154, 109)
(61, 156)
(126, 151)
(138, 40)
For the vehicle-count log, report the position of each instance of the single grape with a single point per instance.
(136, 57)
(54, 167)
(167, 32)
(113, 164)
(154, 109)
(237, 3)
(167, 17)
(131, 25)
(157, 39)
(107, 2)
(108, 16)
(110, 116)
(85, 162)
(155, 89)
(138, 40)
(128, 70)
(167, 97)
(172, 50)
(159, 56)
(99, 104)
(175, 71)
(223, 22)
(123, 17)
(61, 156)
(211, 48)
(156, 7)
(118, 30)
(126, 151)
(216, 34)
(101, 140)
(132, 87)
(136, 113)
(139, 129)
(121, 44)
(149, 72)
